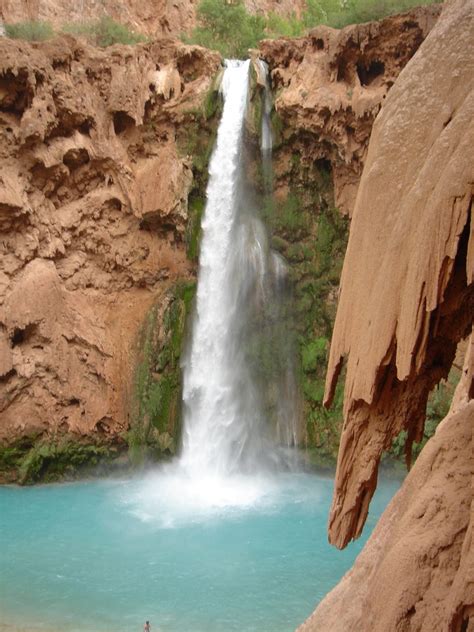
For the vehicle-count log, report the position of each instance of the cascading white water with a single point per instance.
(267, 135)
(220, 404)
(225, 429)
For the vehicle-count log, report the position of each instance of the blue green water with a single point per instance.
(106, 555)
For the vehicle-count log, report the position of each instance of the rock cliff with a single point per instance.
(96, 171)
(330, 85)
(407, 298)
(156, 18)
(406, 288)
(102, 190)
(416, 571)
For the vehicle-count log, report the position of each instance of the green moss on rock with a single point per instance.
(196, 138)
(37, 458)
(311, 234)
(155, 417)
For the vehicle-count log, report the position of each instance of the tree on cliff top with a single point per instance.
(227, 27)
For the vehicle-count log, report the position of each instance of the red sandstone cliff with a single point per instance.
(330, 85)
(93, 206)
(407, 298)
(153, 17)
(93, 199)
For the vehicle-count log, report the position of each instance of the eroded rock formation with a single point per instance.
(93, 212)
(416, 572)
(330, 85)
(407, 298)
(406, 288)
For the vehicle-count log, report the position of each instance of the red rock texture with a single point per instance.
(407, 298)
(416, 572)
(157, 18)
(93, 208)
(330, 86)
(406, 295)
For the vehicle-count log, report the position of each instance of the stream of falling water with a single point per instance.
(226, 413)
(240, 401)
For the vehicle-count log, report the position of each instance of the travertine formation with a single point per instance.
(407, 293)
(416, 572)
(93, 208)
(407, 298)
(157, 18)
(330, 85)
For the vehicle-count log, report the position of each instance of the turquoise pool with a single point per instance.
(245, 554)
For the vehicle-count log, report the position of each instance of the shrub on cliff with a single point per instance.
(33, 31)
(104, 32)
(358, 11)
(227, 27)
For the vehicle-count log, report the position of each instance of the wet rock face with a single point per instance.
(93, 212)
(330, 86)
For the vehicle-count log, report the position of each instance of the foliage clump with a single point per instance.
(437, 408)
(37, 458)
(226, 26)
(30, 30)
(155, 424)
(103, 32)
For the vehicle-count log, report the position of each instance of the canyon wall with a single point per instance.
(156, 18)
(104, 170)
(407, 299)
(97, 165)
(330, 85)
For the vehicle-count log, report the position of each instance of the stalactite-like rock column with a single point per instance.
(407, 293)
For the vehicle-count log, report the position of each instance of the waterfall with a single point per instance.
(227, 425)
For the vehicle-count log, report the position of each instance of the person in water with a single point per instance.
(146, 627)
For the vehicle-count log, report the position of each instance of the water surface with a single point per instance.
(244, 554)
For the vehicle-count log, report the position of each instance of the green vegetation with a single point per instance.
(331, 12)
(196, 139)
(104, 32)
(32, 31)
(226, 26)
(278, 26)
(312, 236)
(35, 458)
(193, 228)
(155, 416)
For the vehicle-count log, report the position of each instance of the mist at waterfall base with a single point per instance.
(229, 536)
